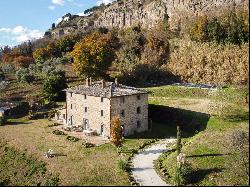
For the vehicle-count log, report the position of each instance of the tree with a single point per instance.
(23, 61)
(2, 76)
(41, 54)
(23, 75)
(53, 86)
(215, 30)
(116, 131)
(94, 55)
(198, 30)
(178, 150)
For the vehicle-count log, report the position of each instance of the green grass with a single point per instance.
(208, 152)
(17, 168)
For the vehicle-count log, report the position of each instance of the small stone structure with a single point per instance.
(93, 105)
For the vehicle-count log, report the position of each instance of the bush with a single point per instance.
(88, 145)
(54, 124)
(8, 68)
(186, 174)
(123, 165)
(72, 138)
(58, 132)
(3, 120)
(23, 75)
(2, 76)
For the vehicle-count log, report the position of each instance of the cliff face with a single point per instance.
(147, 13)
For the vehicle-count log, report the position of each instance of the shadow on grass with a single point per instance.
(165, 120)
(198, 175)
(207, 155)
(240, 117)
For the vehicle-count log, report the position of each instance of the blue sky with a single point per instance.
(21, 20)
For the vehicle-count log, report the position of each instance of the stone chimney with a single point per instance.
(116, 82)
(87, 82)
(103, 83)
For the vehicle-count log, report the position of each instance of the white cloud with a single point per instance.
(21, 34)
(58, 2)
(51, 7)
(104, 1)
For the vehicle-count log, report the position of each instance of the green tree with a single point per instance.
(178, 150)
(216, 31)
(53, 86)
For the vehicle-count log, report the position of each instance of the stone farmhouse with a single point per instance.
(92, 106)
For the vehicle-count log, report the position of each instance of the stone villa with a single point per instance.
(92, 106)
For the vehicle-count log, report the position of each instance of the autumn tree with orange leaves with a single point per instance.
(94, 54)
(116, 131)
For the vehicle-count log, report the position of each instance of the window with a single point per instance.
(123, 99)
(123, 113)
(102, 99)
(139, 97)
(85, 96)
(138, 124)
(64, 116)
(101, 112)
(71, 106)
(86, 109)
(138, 110)
(71, 94)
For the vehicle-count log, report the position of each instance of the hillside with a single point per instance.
(147, 13)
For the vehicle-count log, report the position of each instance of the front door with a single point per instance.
(102, 130)
(85, 124)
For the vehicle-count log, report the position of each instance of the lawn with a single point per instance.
(169, 106)
(212, 159)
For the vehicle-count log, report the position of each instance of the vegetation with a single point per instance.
(53, 86)
(210, 163)
(232, 27)
(21, 169)
(3, 120)
(209, 63)
(116, 131)
(93, 55)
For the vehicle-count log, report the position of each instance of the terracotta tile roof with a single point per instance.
(109, 90)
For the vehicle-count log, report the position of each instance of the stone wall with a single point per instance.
(93, 114)
(76, 104)
(129, 121)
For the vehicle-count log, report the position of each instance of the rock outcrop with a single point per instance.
(147, 13)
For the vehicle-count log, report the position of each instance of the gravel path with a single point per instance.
(143, 167)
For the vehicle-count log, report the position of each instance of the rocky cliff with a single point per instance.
(147, 13)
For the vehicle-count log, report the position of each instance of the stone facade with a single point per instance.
(95, 112)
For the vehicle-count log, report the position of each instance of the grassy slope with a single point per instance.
(208, 152)
(16, 168)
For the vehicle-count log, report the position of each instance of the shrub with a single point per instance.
(186, 174)
(2, 77)
(54, 124)
(8, 68)
(116, 131)
(88, 145)
(58, 132)
(123, 165)
(72, 138)
(23, 75)
(3, 120)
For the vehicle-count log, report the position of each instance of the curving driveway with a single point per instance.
(143, 164)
